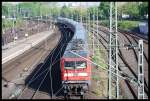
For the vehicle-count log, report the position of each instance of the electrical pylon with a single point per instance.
(113, 54)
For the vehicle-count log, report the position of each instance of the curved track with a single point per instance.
(50, 81)
(131, 70)
(25, 63)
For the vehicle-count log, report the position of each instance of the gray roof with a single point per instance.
(79, 40)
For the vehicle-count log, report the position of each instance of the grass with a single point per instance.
(98, 58)
(99, 55)
(97, 92)
(98, 89)
(96, 77)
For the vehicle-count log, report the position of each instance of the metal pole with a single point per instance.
(38, 24)
(13, 27)
(86, 17)
(45, 19)
(13, 24)
(116, 23)
(113, 55)
(40, 12)
(97, 19)
(89, 23)
(93, 30)
(16, 22)
(110, 29)
(26, 29)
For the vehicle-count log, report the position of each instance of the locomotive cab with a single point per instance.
(76, 73)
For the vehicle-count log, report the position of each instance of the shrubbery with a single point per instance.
(127, 25)
(124, 25)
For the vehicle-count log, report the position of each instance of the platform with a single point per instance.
(14, 49)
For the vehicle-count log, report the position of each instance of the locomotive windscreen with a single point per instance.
(75, 64)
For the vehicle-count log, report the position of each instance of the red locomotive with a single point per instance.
(75, 67)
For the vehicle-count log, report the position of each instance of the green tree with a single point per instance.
(134, 9)
(65, 11)
(143, 7)
(4, 10)
(7, 9)
(104, 8)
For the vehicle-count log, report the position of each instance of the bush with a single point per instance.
(124, 25)
(105, 23)
(98, 58)
(127, 25)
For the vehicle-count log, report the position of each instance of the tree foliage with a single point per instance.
(104, 10)
(143, 8)
(64, 11)
(134, 9)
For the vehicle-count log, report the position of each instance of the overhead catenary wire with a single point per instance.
(125, 78)
(131, 78)
(87, 27)
(55, 62)
(32, 79)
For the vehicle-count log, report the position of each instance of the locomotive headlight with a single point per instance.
(81, 93)
(75, 74)
(85, 87)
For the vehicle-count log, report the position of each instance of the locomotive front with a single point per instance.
(75, 69)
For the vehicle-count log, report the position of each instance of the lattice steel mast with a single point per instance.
(113, 54)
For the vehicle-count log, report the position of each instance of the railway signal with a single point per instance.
(140, 80)
(140, 71)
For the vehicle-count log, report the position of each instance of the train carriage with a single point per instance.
(75, 69)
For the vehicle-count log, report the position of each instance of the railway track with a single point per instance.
(26, 63)
(37, 84)
(52, 65)
(133, 39)
(132, 34)
(103, 43)
(124, 61)
(130, 38)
